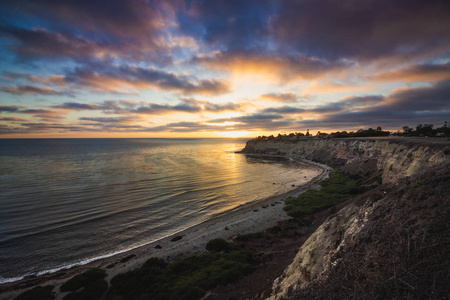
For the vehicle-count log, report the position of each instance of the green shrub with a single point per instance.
(219, 245)
(154, 262)
(91, 291)
(127, 258)
(177, 238)
(274, 230)
(335, 189)
(81, 280)
(39, 292)
(186, 279)
(249, 236)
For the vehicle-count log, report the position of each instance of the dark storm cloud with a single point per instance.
(367, 29)
(115, 17)
(80, 29)
(364, 29)
(41, 43)
(330, 30)
(432, 98)
(402, 107)
(228, 24)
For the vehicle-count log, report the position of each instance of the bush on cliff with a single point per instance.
(88, 285)
(335, 189)
(186, 279)
(39, 292)
(82, 280)
(219, 245)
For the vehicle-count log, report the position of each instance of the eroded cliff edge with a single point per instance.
(390, 242)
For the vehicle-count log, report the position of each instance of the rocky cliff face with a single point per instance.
(385, 242)
(390, 159)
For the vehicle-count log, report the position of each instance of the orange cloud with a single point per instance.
(280, 68)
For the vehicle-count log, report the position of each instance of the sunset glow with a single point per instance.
(183, 68)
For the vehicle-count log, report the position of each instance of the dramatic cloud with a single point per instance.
(228, 24)
(129, 79)
(271, 65)
(39, 42)
(119, 79)
(86, 29)
(187, 105)
(406, 106)
(364, 30)
(432, 98)
(210, 66)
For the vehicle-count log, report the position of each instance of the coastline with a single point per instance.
(247, 218)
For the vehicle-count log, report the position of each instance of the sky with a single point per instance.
(186, 69)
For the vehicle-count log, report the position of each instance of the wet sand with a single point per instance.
(250, 218)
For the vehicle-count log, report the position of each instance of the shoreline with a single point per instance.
(244, 219)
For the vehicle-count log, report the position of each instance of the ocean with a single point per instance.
(65, 202)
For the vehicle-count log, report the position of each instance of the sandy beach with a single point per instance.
(249, 218)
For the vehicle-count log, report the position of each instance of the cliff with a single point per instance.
(391, 159)
(391, 242)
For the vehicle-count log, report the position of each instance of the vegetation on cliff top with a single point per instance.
(185, 279)
(420, 130)
(39, 292)
(334, 190)
(89, 285)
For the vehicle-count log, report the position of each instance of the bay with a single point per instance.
(68, 201)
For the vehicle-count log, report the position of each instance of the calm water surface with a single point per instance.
(65, 201)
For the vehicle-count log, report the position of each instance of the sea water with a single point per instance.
(69, 201)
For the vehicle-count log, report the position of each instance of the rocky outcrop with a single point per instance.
(391, 159)
(354, 240)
